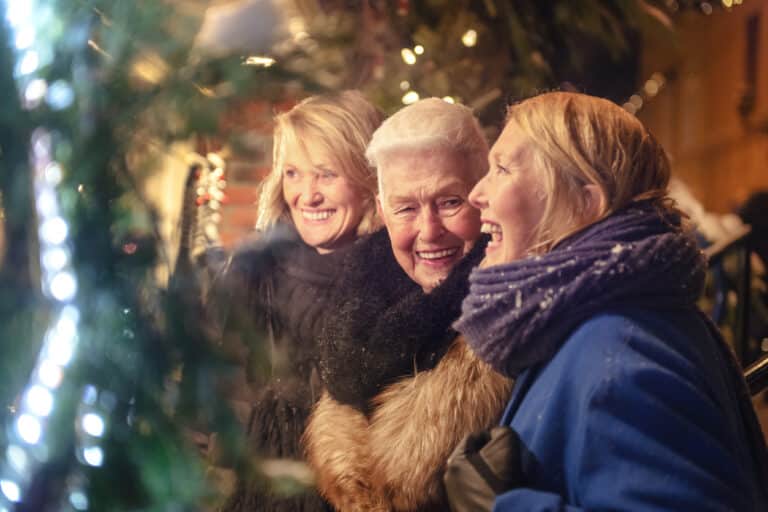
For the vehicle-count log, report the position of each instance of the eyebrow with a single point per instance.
(448, 188)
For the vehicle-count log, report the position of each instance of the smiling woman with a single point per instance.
(270, 298)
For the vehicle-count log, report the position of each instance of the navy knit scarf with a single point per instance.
(517, 314)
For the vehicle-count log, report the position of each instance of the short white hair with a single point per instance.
(427, 126)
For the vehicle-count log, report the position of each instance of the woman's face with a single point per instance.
(325, 207)
(511, 198)
(424, 206)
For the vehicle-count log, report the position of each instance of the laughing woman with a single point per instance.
(627, 397)
(269, 299)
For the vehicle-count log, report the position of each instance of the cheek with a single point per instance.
(400, 237)
(289, 193)
(466, 225)
(345, 196)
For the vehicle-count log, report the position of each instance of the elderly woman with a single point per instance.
(402, 388)
(318, 199)
(626, 395)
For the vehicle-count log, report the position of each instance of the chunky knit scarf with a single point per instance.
(517, 314)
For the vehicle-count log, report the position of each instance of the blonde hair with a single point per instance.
(580, 140)
(431, 125)
(342, 123)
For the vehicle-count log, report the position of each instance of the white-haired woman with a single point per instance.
(626, 396)
(402, 388)
(270, 297)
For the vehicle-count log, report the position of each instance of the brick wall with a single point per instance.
(249, 160)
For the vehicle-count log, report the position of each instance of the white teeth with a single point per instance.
(433, 255)
(488, 227)
(319, 215)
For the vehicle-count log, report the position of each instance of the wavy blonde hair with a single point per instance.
(342, 123)
(580, 140)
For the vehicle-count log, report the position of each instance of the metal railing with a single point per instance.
(750, 355)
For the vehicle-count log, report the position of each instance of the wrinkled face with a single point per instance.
(425, 209)
(325, 206)
(511, 198)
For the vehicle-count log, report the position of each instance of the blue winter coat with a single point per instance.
(632, 413)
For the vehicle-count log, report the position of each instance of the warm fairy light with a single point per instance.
(405, 85)
(727, 3)
(259, 60)
(629, 107)
(449, 99)
(410, 97)
(418, 49)
(706, 8)
(469, 39)
(636, 100)
(408, 56)
(651, 87)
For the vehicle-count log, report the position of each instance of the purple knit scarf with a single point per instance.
(517, 314)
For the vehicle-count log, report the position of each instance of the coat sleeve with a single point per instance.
(642, 431)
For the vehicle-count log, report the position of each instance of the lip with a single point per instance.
(438, 257)
(494, 229)
(317, 215)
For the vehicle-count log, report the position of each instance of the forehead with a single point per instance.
(409, 174)
(511, 146)
(309, 151)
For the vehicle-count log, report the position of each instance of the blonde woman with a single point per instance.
(269, 300)
(626, 395)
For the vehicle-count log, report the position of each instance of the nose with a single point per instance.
(310, 193)
(431, 226)
(477, 196)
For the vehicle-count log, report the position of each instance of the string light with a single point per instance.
(27, 445)
(469, 39)
(258, 60)
(418, 49)
(650, 89)
(410, 97)
(408, 56)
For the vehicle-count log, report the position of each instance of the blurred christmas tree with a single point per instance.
(93, 93)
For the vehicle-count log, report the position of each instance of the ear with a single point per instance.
(595, 202)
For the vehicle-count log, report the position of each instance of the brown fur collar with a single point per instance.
(395, 460)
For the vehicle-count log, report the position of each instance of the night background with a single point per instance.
(134, 135)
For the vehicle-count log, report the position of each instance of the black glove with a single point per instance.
(483, 465)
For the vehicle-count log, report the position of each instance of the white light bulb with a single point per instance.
(39, 401)
(93, 424)
(29, 429)
(11, 490)
(93, 456)
(63, 286)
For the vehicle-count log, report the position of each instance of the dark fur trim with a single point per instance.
(386, 326)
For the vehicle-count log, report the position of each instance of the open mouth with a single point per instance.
(492, 229)
(317, 214)
(438, 255)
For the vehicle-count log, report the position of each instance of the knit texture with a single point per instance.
(518, 313)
